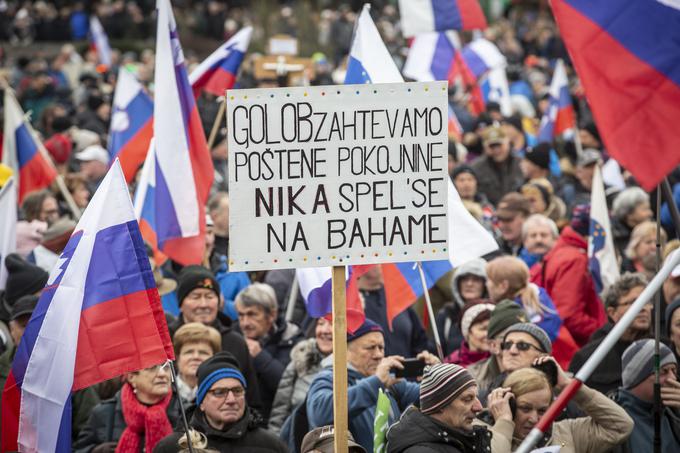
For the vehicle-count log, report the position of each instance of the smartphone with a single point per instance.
(513, 406)
(550, 370)
(412, 368)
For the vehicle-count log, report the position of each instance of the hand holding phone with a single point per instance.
(412, 368)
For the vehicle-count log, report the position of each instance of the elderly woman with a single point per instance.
(542, 198)
(640, 253)
(468, 285)
(630, 208)
(193, 343)
(604, 426)
(141, 414)
(474, 322)
(305, 363)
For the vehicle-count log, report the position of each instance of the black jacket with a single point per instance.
(418, 433)
(106, 423)
(233, 342)
(245, 436)
(271, 362)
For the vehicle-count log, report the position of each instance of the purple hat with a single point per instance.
(367, 327)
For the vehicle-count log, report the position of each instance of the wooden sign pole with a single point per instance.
(339, 360)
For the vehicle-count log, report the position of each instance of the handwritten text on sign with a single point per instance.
(335, 175)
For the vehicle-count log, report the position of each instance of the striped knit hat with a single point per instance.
(637, 361)
(442, 383)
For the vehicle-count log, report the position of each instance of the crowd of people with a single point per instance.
(255, 370)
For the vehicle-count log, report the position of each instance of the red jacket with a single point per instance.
(565, 276)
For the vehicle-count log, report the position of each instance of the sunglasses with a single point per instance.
(521, 346)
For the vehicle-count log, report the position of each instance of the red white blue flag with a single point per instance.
(99, 316)
(430, 56)
(131, 124)
(184, 168)
(559, 117)
(217, 73)
(627, 55)
(100, 41)
(21, 151)
(418, 16)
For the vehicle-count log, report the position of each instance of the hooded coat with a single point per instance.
(448, 318)
(418, 433)
(565, 276)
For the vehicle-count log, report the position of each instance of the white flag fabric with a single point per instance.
(601, 253)
(8, 225)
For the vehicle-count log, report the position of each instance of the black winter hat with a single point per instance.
(24, 306)
(463, 169)
(221, 365)
(539, 155)
(193, 277)
(23, 278)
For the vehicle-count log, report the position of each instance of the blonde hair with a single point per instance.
(515, 271)
(526, 380)
(198, 441)
(640, 232)
(195, 332)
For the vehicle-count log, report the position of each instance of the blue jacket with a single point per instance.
(231, 283)
(549, 320)
(362, 397)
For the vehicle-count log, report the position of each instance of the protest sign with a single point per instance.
(337, 175)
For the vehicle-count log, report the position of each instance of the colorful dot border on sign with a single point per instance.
(340, 92)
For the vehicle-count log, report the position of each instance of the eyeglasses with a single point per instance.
(521, 346)
(222, 393)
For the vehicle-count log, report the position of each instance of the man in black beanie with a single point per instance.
(199, 297)
(536, 162)
(222, 413)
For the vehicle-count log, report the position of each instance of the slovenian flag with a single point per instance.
(217, 73)
(22, 152)
(481, 56)
(430, 56)
(184, 169)
(559, 117)
(627, 55)
(100, 42)
(131, 124)
(99, 317)
(144, 203)
(419, 16)
(601, 252)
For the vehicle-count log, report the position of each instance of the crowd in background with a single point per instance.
(513, 324)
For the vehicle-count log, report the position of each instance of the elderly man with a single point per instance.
(498, 170)
(636, 396)
(617, 300)
(222, 413)
(198, 293)
(269, 338)
(539, 234)
(368, 371)
(448, 407)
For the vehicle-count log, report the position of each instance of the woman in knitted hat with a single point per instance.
(604, 425)
(474, 322)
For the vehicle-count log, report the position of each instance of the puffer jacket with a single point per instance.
(305, 363)
(418, 433)
(447, 318)
(244, 436)
(362, 397)
(605, 426)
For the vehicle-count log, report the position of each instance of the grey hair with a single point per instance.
(626, 201)
(258, 295)
(628, 281)
(540, 220)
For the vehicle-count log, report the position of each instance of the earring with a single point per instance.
(134, 390)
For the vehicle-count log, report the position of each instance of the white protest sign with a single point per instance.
(337, 175)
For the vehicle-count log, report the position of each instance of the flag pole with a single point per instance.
(218, 120)
(292, 299)
(657, 330)
(430, 312)
(340, 414)
(667, 193)
(181, 406)
(596, 357)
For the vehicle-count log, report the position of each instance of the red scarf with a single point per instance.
(150, 421)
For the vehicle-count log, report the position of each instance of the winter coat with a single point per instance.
(272, 360)
(418, 433)
(604, 426)
(233, 342)
(305, 363)
(244, 436)
(485, 372)
(621, 233)
(406, 337)
(607, 376)
(106, 423)
(448, 318)
(463, 356)
(565, 276)
(362, 397)
(640, 440)
(495, 180)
